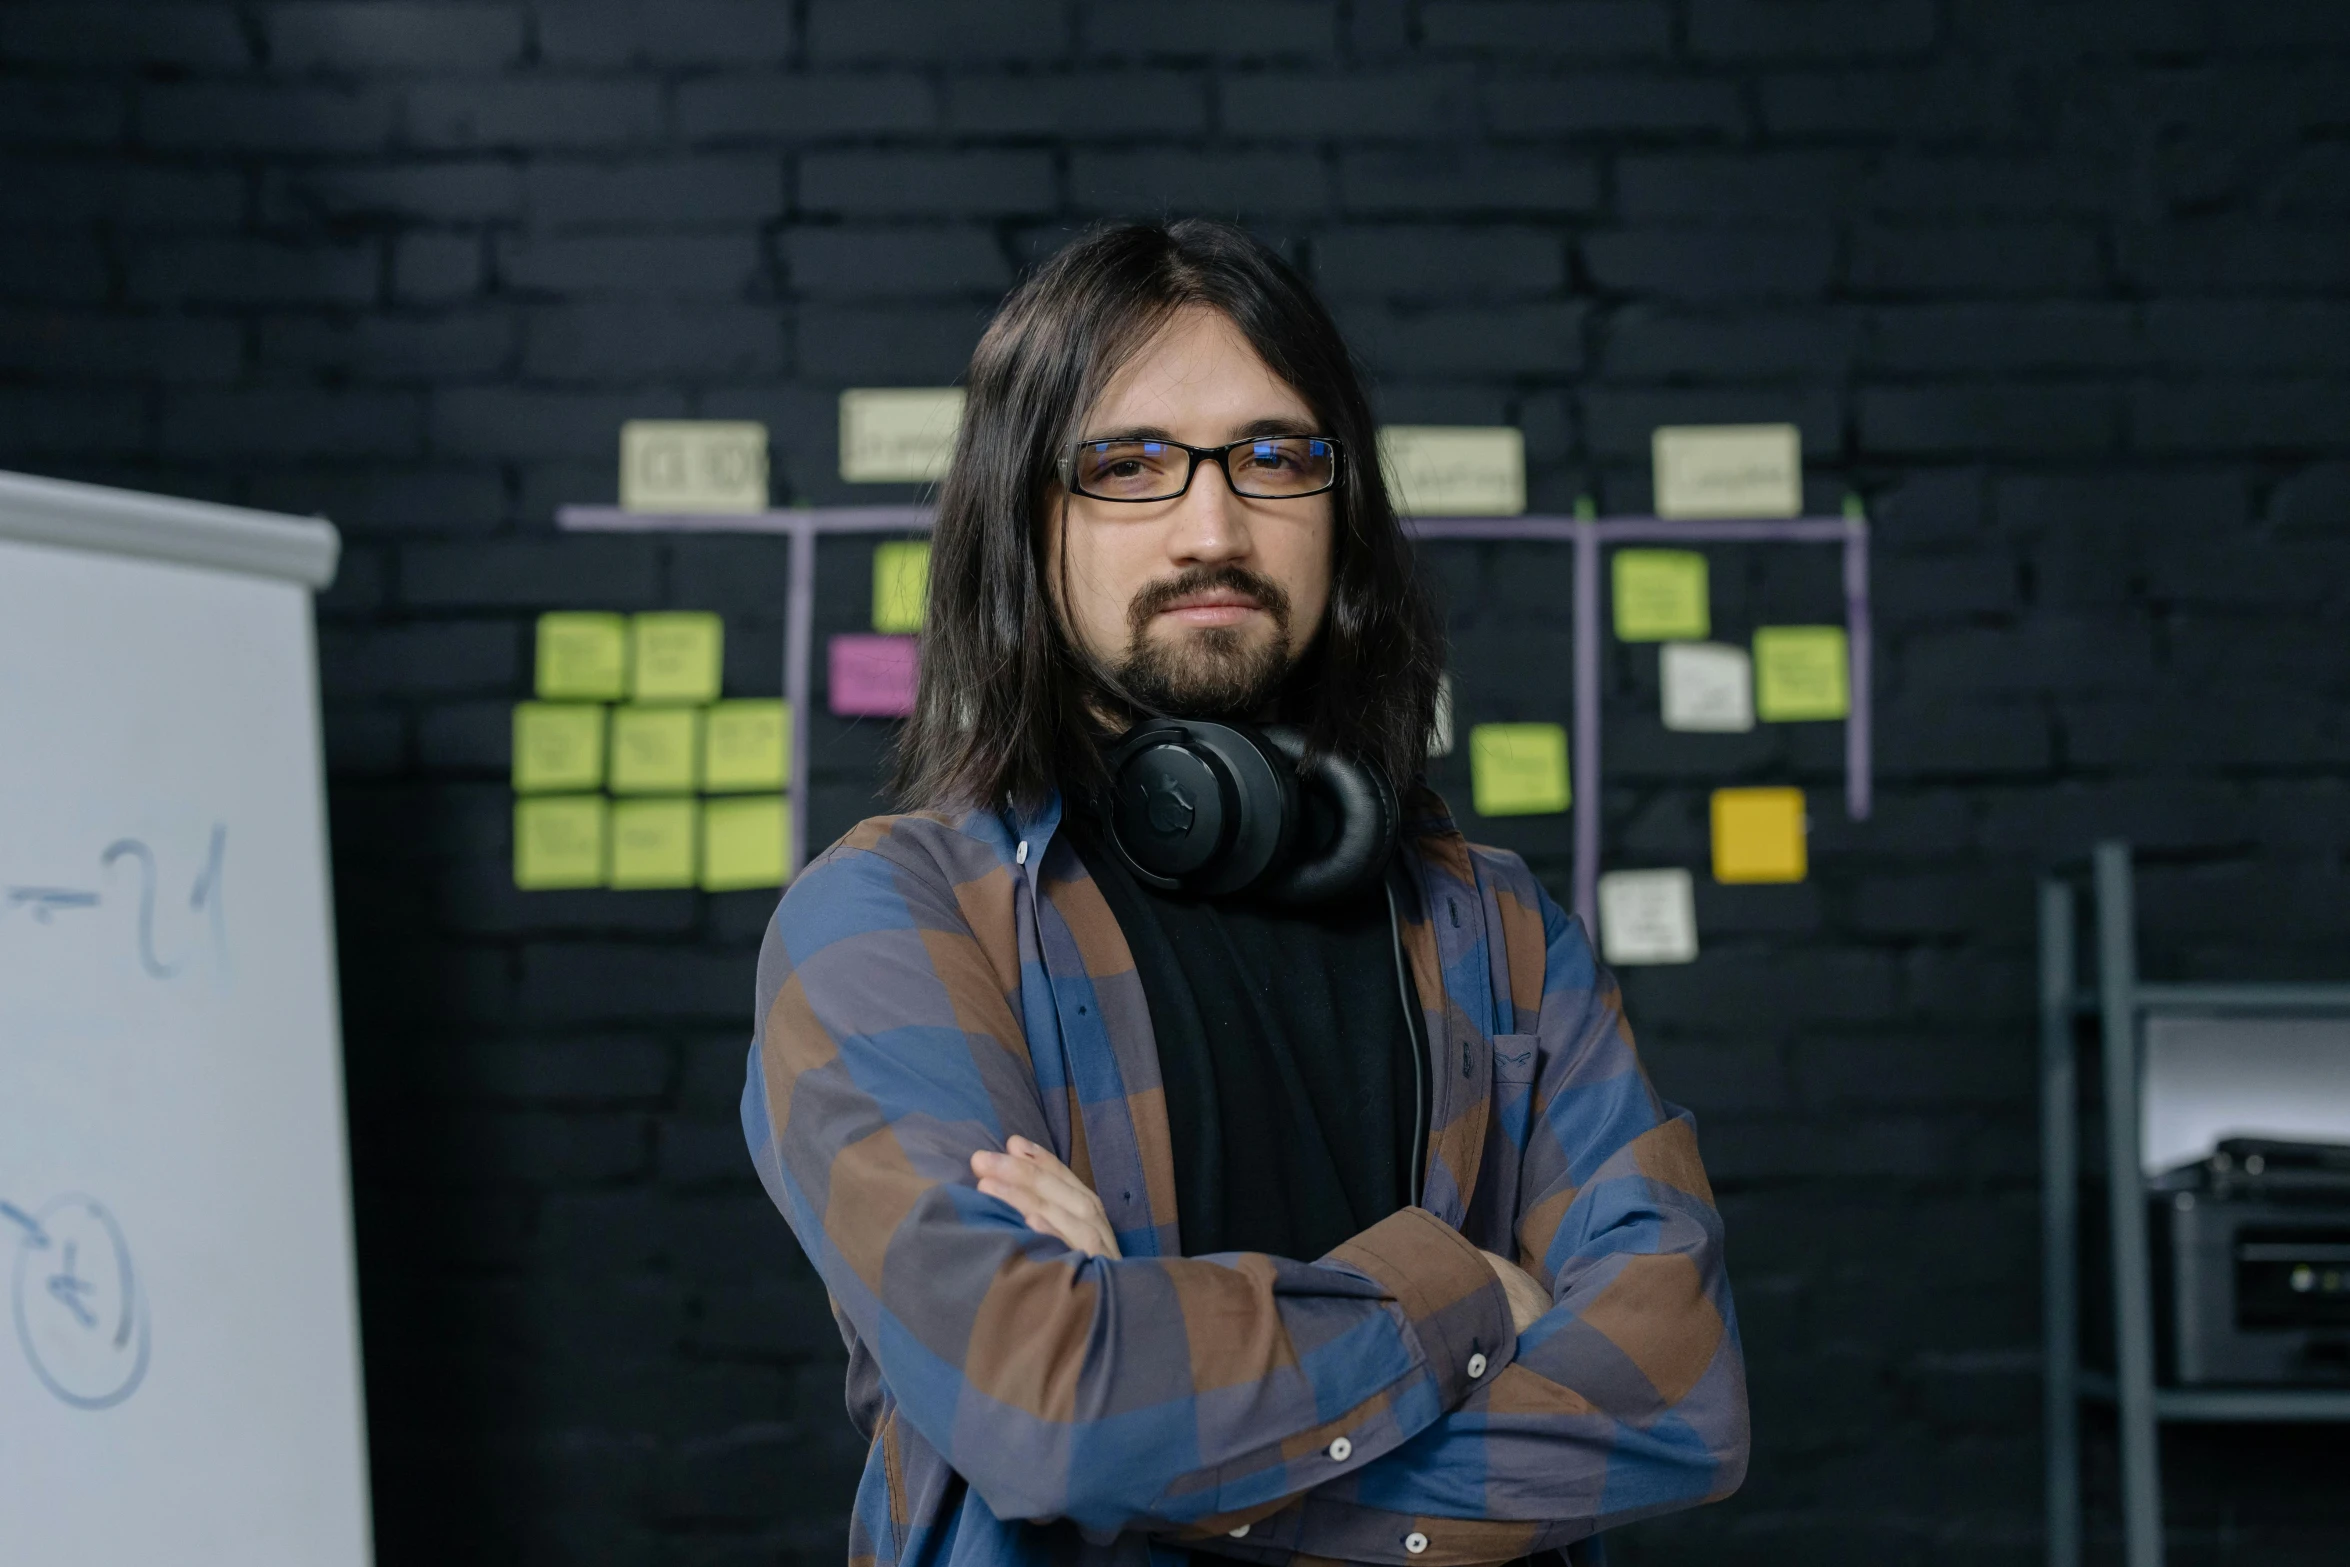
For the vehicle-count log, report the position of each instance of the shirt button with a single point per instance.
(1476, 1367)
(1240, 1533)
(1341, 1450)
(1415, 1542)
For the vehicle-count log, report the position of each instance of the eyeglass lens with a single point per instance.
(1268, 469)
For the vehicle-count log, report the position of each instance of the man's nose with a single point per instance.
(1209, 524)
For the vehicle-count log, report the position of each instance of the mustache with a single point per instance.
(1230, 577)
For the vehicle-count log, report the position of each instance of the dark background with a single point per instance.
(2061, 288)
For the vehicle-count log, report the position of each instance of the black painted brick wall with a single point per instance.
(2061, 286)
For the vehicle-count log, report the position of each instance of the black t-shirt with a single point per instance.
(1287, 1056)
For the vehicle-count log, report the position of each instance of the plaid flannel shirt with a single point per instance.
(932, 985)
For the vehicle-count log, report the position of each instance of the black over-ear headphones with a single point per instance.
(1214, 809)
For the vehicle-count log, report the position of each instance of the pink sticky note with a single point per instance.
(871, 677)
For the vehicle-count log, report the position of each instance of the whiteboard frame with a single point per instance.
(157, 527)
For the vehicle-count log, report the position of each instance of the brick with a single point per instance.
(1536, 339)
(422, 660)
(1959, 185)
(2314, 502)
(64, 268)
(723, 33)
(1619, 421)
(609, 983)
(1388, 106)
(1941, 738)
(866, 263)
(1590, 29)
(66, 191)
(376, 36)
(1648, 342)
(437, 268)
(664, 263)
(1977, 258)
(1717, 186)
(213, 423)
(2247, 334)
(437, 192)
(199, 37)
(534, 113)
(511, 422)
(1429, 261)
(889, 345)
(1917, 589)
(1952, 102)
(2049, 653)
(1988, 417)
(2015, 338)
(710, 191)
(266, 117)
(1030, 31)
(1809, 29)
(1446, 182)
(2238, 416)
(768, 108)
(625, 341)
(253, 271)
(1712, 263)
(615, 573)
(110, 347)
(1211, 29)
(1093, 103)
(1613, 105)
(364, 500)
(1153, 181)
(379, 348)
(872, 183)
(2207, 257)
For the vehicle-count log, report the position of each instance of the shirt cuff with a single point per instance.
(1448, 1291)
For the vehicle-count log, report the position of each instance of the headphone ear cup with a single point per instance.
(1363, 820)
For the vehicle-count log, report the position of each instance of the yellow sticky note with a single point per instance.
(742, 843)
(746, 748)
(655, 843)
(1801, 672)
(559, 841)
(1759, 835)
(1442, 470)
(558, 747)
(677, 656)
(898, 434)
(1662, 596)
(901, 584)
(656, 750)
(1518, 769)
(1728, 470)
(693, 466)
(582, 657)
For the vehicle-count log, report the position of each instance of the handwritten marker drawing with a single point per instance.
(80, 1316)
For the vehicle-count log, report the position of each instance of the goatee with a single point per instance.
(1216, 672)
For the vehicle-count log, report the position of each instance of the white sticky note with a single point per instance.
(1444, 470)
(1728, 470)
(1440, 734)
(693, 466)
(1709, 687)
(898, 434)
(1648, 917)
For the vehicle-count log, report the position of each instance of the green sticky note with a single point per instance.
(678, 657)
(901, 585)
(746, 748)
(558, 747)
(656, 750)
(655, 843)
(1800, 673)
(559, 841)
(742, 842)
(1661, 596)
(582, 657)
(1518, 769)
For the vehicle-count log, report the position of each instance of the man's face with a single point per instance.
(1200, 603)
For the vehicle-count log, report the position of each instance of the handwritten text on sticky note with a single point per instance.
(870, 676)
(898, 434)
(1518, 769)
(1648, 916)
(559, 841)
(693, 466)
(558, 747)
(655, 843)
(1801, 673)
(677, 656)
(655, 750)
(1661, 596)
(582, 657)
(1708, 687)
(1759, 835)
(1728, 470)
(1440, 470)
(901, 584)
(746, 747)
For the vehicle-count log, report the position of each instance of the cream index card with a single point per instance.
(898, 434)
(693, 466)
(1443, 470)
(1708, 687)
(1648, 916)
(1728, 470)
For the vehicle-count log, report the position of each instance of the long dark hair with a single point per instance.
(1001, 713)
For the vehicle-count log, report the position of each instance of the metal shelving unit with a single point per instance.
(2122, 1003)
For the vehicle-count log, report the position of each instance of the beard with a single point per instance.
(1213, 672)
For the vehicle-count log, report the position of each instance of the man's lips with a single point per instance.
(1212, 609)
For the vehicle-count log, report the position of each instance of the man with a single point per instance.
(1162, 1224)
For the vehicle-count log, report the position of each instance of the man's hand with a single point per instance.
(1052, 1200)
(1528, 1299)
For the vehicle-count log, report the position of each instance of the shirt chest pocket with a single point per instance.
(1514, 1057)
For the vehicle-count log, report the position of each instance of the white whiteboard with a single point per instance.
(179, 1372)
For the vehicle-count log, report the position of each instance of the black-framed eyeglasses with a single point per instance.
(1264, 467)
